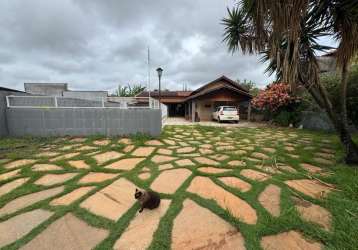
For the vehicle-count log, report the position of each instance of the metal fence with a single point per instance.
(68, 102)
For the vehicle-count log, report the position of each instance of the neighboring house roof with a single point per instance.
(7, 89)
(327, 62)
(208, 91)
(205, 89)
(165, 93)
(221, 79)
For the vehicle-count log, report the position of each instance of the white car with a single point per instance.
(226, 113)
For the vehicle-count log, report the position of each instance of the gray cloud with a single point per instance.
(99, 44)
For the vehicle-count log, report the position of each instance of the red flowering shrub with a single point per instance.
(275, 96)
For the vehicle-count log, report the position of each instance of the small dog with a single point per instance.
(147, 199)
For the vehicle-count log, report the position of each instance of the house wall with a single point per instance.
(206, 105)
(88, 95)
(83, 121)
(48, 89)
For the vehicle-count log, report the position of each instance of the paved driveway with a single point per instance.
(243, 124)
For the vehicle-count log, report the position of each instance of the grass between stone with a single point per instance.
(342, 204)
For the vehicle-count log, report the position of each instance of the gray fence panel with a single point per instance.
(82, 122)
(32, 101)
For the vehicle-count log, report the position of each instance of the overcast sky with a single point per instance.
(98, 44)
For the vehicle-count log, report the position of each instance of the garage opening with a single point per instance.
(176, 110)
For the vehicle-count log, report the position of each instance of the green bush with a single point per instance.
(332, 83)
(283, 118)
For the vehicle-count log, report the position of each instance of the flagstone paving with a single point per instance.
(8, 187)
(139, 233)
(311, 188)
(67, 199)
(20, 225)
(164, 151)
(289, 240)
(125, 164)
(237, 183)
(45, 167)
(96, 177)
(239, 208)
(254, 175)
(270, 199)
(52, 179)
(197, 228)
(101, 142)
(18, 163)
(221, 188)
(313, 213)
(112, 201)
(212, 170)
(165, 166)
(9, 175)
(67, 233)
(80, 164)
(107, 156)
(162, 158)
(170, 180)
(185, 162)
(28, 200)
(64, 157)
(143, 151)
(206, 161)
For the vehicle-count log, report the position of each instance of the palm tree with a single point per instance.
(129, 91)
(287, 34)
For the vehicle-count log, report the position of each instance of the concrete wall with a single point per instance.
(49, 89)
(316, 121)
(81, 121)
(88, 95)
(3, 121)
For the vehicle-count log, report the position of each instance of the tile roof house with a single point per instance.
(200, 103)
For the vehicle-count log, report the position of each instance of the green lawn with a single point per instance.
(342, 203)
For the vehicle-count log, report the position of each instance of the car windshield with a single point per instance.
(229, 109)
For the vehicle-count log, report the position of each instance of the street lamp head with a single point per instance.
(160, 71)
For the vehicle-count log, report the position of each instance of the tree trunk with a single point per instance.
(350, 147)
(341, 127)
(320, 95)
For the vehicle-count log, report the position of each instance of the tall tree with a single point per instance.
(287, 34)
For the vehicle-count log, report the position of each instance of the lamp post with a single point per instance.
(160, 72)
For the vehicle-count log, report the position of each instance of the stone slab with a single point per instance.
(67, 233)
(239, 208)
(53, 179)
(14, 228)
(143, 151)
(107, 156)
(139, 233)
(125, 164)
(270, 199)
(95, 177)
(196, 227)
(237, 183)
(29, 199)
(289, 240)
(45, 167)
(19, 163)
(71, 197)
(311, 188)
(8, 187)
(170, 180)
(112, 201)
